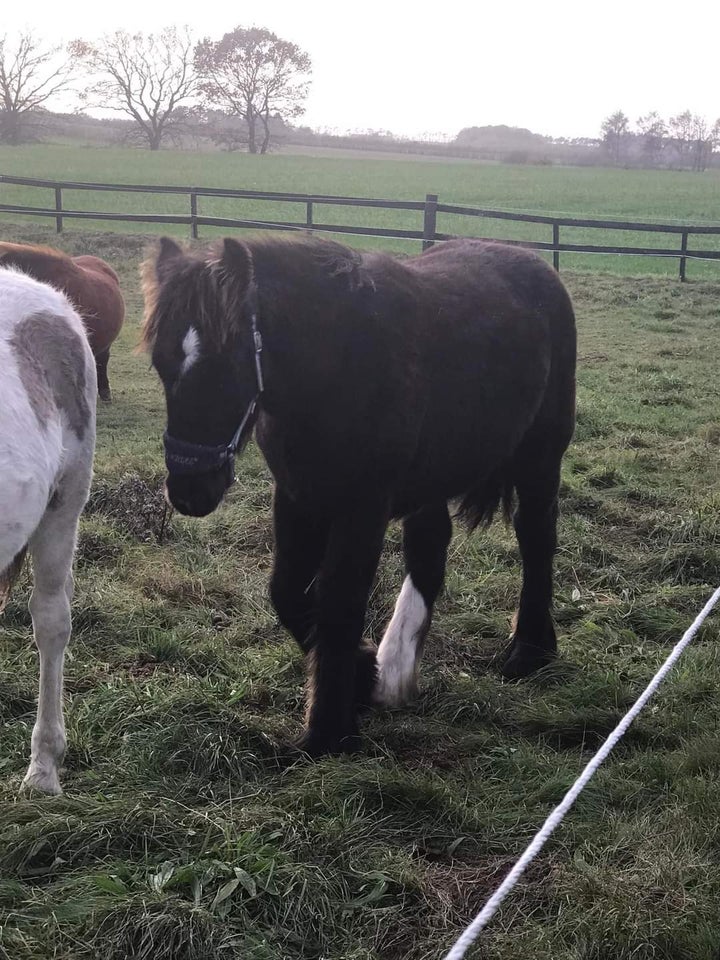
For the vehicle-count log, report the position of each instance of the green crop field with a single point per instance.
(660, 195)
(184, 834)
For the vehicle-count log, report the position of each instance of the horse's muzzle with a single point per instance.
(197, 495)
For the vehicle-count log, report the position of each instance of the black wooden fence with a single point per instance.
(430, 208)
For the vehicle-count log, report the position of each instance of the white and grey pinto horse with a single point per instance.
(47, 440)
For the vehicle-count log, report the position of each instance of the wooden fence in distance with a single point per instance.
(430, 208)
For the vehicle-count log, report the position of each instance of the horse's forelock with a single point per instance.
(207, 290)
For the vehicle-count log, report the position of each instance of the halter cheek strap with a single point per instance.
(186, 458)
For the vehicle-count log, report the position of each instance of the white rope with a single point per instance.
(466, 940)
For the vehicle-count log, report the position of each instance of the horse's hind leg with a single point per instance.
(101, 364)
(426, 535)
(51, 548)
(534, 644)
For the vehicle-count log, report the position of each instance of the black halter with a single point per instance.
(196, 458)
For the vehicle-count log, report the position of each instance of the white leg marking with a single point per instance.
(191, 348)
(398, 652)
(51, 548)
(51, 623)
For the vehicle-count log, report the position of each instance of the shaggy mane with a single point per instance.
(202, 282)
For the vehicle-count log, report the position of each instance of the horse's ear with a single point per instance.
(237, 261)
(167, 257)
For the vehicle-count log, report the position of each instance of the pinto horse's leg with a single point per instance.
(101, 364)
(342, 591)
(51, 548)
(534, 644)
(426, 535)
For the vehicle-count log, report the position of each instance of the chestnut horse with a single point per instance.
(381, 388)
(91, 285)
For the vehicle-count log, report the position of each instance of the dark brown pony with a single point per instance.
(91, 284)
(381, 388)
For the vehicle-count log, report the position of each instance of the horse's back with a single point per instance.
(496, 277)
(97, 265)
(499, 363)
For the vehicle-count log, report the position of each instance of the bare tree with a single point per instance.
(614, 130)
(693, 139)
(681, 127)
(253, 74)
(653, 130)
(30, 74)
(701, 137)
(146, 76)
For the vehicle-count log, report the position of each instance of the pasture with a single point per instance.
(184, 835)
(645, 195)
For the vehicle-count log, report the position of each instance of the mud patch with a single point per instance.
(135, 504)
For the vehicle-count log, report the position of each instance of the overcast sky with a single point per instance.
(418, 68)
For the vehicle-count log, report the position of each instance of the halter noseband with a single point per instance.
(196, 458)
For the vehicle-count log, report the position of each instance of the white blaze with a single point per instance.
(191, 349)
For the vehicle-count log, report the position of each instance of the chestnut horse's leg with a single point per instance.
(426, 535)
(535, 520)
(341, 593)
(101, 363)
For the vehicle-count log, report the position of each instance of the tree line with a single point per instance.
(684, 141)
(158, 81)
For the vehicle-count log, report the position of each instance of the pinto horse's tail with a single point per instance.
(9, 576)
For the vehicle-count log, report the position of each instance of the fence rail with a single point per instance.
(430, 208)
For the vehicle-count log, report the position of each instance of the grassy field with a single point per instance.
(182, 835)
(644, 195)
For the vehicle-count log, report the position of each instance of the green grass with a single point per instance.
(183, 834)
(659, 195)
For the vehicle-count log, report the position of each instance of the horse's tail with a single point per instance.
(479, 505)
(9, 576)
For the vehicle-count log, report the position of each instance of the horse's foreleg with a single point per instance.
(426, 535)
(51, 548)
(534, 643)
(335, 669)
(300, 540)
(101, 364)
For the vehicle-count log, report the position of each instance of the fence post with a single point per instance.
(683, 249)
(58, 207)
(429, 220)
(193, 215)
(556, 244)
(309, 216)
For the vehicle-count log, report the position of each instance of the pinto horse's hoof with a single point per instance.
(523, 659)
(105, 395)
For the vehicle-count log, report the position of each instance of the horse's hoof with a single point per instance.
(315, 745)
(522, 660)
(105, 395)
(40, 781)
